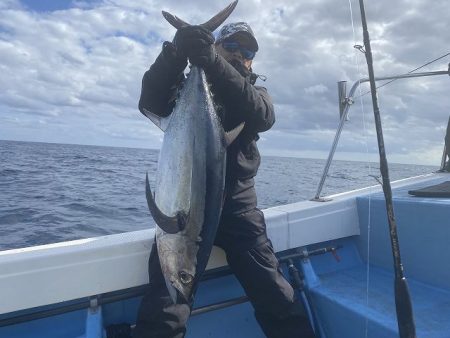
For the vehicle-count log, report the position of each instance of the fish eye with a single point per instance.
(185, 277)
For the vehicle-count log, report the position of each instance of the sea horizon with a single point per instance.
(262, 153)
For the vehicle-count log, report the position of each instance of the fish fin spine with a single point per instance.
(211, 24)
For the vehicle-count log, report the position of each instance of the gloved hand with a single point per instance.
(177, 61)
(197, 43)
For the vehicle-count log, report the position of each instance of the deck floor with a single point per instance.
(347, 290)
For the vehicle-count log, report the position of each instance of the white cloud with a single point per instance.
(316, 89)
(73, 75)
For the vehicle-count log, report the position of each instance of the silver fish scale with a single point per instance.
(192, 154)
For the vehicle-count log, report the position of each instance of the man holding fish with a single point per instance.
(241, 229)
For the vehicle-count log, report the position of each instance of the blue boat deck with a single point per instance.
(343, 296)
(355, 297)
(423, 226)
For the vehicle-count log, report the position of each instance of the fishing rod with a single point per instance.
(405, 318)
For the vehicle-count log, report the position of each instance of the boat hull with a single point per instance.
(82, 287)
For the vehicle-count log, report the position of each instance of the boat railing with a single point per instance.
(444, 159)
(445, 162)
(345, 102)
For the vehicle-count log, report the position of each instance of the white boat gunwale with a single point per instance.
(87, 267)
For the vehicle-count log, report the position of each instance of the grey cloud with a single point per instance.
(87, 62)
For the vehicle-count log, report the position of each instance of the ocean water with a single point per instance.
(56, 192)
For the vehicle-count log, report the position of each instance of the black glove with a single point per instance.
(175, 60)
(197, 43)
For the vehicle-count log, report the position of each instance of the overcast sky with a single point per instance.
(71, 72)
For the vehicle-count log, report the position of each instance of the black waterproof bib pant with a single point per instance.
(252, 260)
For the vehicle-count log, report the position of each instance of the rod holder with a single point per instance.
(342, 94)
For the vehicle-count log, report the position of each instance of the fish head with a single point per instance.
(178, 259)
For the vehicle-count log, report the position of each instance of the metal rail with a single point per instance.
(445, 165)
(444, 159)
(344, 105)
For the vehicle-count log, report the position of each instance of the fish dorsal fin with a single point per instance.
(211, 24)
(170, 224)
(231, 135)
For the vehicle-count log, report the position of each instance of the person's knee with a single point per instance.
(258, 272)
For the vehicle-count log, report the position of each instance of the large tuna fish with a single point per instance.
(190, 180)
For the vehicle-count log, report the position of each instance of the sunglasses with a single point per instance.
(232, 47)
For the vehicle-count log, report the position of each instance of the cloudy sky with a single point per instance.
(71, 71)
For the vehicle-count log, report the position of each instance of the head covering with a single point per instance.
(230, 29)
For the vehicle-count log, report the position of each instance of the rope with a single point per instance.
(358, 66)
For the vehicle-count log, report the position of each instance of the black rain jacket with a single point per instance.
(238, 100)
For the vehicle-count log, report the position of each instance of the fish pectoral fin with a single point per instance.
(231, 135)
(160, 122)
(170, 224)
